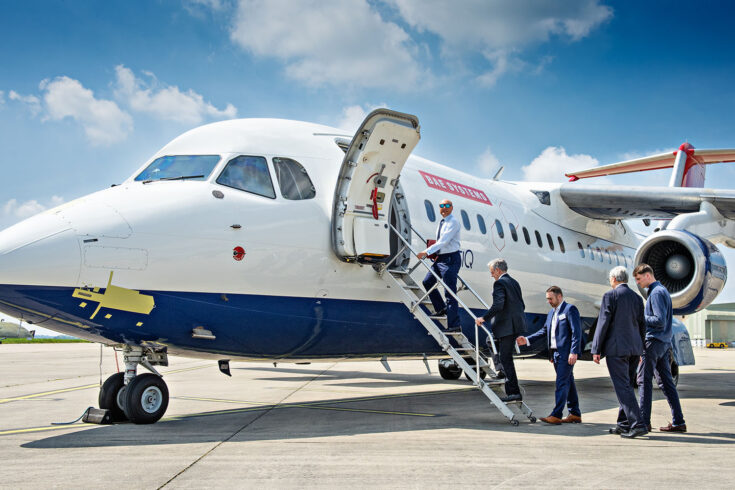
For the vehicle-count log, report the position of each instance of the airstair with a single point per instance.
(363, 232)
(468, 356)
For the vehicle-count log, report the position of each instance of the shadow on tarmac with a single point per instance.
(461, 407)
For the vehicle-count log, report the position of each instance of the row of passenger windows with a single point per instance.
(601, 255)
(246, 173)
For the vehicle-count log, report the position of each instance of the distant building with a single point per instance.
(713, 324)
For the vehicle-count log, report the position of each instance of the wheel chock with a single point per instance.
(97, 416)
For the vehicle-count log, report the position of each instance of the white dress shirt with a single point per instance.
(554, 321)
(447, 237)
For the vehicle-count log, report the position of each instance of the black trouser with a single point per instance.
(506, 347)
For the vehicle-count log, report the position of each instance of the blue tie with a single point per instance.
(439, 230)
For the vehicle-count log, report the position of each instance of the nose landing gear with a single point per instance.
(141, 399)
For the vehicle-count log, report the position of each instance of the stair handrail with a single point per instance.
(461, 303)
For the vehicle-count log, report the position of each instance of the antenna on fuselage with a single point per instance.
(498, 173)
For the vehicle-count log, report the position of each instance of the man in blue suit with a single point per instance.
(563, 333)
(621, 327)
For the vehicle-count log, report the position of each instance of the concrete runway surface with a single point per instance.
(349, 424)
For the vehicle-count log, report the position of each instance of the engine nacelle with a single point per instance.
(691, 268)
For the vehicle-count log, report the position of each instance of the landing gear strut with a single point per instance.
(142, 399)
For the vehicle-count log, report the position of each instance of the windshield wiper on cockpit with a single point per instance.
(180, 177)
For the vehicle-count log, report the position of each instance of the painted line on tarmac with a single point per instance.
(41, 429)
(84, 387)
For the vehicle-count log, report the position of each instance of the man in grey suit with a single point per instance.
(510, 321)
(621, 327)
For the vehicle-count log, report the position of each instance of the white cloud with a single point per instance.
(500, 30)
(21, 210)
(32, 102)
(103, 121)
(166, 101)
(212, 4)
(482, 25)
(487, 163)
(2, 97)
(553, 163)
(352, 116)
(329, 42)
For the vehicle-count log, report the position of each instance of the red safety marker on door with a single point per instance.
(238, 253)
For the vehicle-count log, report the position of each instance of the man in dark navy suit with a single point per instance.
(510, 321)
(621, 327)
(563, 334)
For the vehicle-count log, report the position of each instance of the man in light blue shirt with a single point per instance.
(659, 333)
(446, 265)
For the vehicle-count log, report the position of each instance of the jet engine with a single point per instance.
(691, 268)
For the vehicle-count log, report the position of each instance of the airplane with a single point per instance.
(10, 330)
(268, 239)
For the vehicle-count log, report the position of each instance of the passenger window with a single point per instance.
(481, 224)
(465, 219)
(539, 242)
(513, 232)
(581, 249)
(609, 259)
(561, 245)
(617, 257)
(550, 240)
(193, 167)
(599, 254)
(525, 235)
(249, 174)
(591, 252)
(429, 211)
(499, 227)
(293, 180)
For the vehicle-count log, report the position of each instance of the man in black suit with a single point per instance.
(510, 321)
(563, 334)
(621, 327)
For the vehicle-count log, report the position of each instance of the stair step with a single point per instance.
(442, 317)
(398, 271)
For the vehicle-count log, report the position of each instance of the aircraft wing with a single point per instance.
(625, 202)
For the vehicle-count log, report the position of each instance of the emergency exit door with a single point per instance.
(366, 183)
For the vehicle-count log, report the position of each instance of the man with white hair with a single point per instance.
(510, 321)
(619, 335)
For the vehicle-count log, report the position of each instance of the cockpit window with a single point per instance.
(293, 180)
(249, 174)
(179, 167)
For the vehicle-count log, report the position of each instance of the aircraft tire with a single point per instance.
(146, 399)
(112, 397)
(449, 373)
(483, 375)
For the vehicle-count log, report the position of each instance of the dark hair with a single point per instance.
(555, 290)
(642, 269)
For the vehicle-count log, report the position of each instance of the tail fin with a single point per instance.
(688, 165)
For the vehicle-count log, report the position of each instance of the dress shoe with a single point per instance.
(511, 398)
(441, 312)
(674, 428)
(453, 329)
(634, 432)
(572, 419)
(551, 420)
(616, 430)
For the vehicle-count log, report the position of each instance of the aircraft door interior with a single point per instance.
(367, 183)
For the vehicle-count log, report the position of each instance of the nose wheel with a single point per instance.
(146, 399)
(112, 397)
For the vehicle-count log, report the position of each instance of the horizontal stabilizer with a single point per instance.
(656, 162)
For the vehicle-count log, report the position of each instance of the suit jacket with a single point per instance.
(507, 308)
(568, 330)
(621, 325)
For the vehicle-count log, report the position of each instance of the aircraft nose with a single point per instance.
(42, 250)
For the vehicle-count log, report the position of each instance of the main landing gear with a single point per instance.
(141, 399)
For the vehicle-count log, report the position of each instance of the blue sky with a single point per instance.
(89, 90)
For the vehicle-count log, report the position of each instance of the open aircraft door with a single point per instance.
(366, 183)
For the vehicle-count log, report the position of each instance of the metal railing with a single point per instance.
(428, 265)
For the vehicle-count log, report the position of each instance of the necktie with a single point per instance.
(439, 230)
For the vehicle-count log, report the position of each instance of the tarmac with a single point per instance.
(349, 424)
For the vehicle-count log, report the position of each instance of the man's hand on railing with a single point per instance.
(479, 321)
(421, 255)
